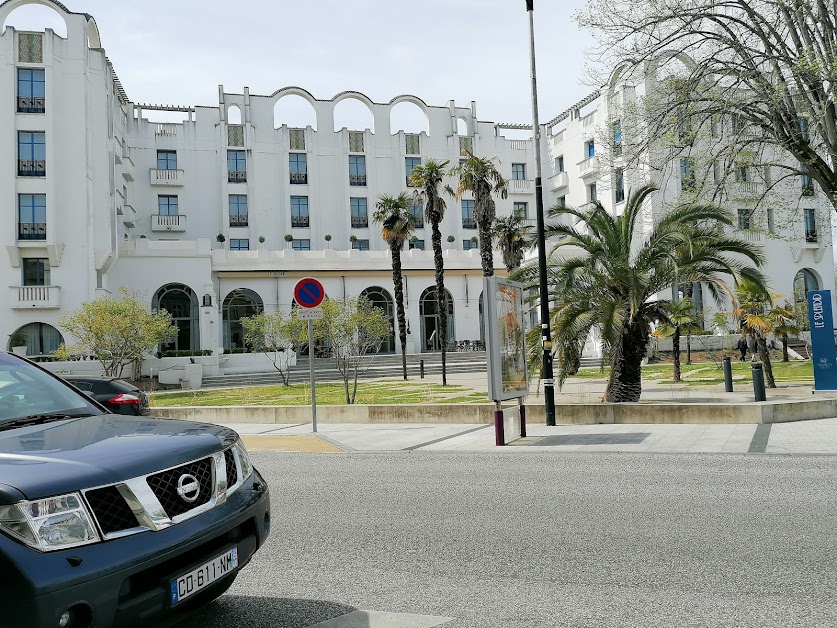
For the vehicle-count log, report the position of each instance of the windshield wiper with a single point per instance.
(40, 419)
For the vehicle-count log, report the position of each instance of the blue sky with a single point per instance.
(179, 51)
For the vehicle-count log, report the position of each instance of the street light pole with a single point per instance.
(546, 335)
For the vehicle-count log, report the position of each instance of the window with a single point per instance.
(810, 225)
(299, 211)
(617, 138)
(805, 129)
(518, 172)
(31, 86)
(619, 184)
(167, 205)
(417, 244)
(591, 192)
(301, 245)
(238, 210)
(360, 217)
(562, 201)
(771, 220)
(468, 221)
(743, 219)
(239, 244)
(418, 215)
(31, 154)
(590, 148)
(298, 164)
(31, 216)
(716, 171)
(807, 185)
(687, 174)
(521, 209)
(684, 128)
(467, 245)
(35, 271)
(409, 164)
(236, 166)
(357, 170)
(360, 245)
(559, 164)
(166, 160)
(742, 174)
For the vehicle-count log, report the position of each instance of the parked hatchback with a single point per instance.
(116, 395)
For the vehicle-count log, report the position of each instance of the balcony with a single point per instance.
(31, 231)
(239, 221)
(418, 222)
(237, 176)
(750, 235)
(469, 223)
(357, 179)
(519, 144)
(559, 181)
(166, 177)
(127, 168)
(747, 190)
(521, 186)
(589, 168)
(299, 178)
(34, 297)
(168, 222)
(300, 222)
(811, 236)
(31, 104)
(808, 189)
(27, 168)
(129, 216)
(360, 222)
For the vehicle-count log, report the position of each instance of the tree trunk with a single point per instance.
(764, 354)
(398, 283)
(441, 297)
(625, 381)
(689, 348)
(785, 357)
(675, 351)
(346, 387)
(486, 248)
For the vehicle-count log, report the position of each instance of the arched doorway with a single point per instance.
(382, 300)
(430, 320)
(240, 303)
(804, 281)
(41, 339)
(181, 303)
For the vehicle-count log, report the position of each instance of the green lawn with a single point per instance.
(708, 373)
(379, 392)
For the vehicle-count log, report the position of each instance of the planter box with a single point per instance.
(21, 351)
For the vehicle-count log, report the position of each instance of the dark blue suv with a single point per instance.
(109, 520)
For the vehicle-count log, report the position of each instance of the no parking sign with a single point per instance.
(309, 292)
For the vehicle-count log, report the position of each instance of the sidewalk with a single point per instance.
(805, 437)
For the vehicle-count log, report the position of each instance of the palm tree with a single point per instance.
(427, 178)
(481, 177)
(784, 324)
(681, 317)
(513, 238)
(396, 220)
(612, 273)
(755, 311)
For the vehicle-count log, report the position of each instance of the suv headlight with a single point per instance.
(243, 460)
(49, 524)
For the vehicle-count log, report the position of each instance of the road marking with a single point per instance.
(439, 440)
(374, 619)
(302, 443)
(759, 443)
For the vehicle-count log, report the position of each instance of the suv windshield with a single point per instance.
(26, 390)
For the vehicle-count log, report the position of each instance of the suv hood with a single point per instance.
(67, 456)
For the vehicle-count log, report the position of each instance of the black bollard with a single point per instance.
(728, 374)
(758, 382)
(421, 368)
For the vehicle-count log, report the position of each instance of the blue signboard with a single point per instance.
(822, 340)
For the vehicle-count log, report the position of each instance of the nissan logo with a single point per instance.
(188, 487)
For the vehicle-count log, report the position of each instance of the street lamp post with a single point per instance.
(546, 335)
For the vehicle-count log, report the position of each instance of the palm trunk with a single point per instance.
(785, 357)
(689, 348)
(486, 248)
(441, 296)
(397, 281)
(675, 351)
(764, 354)
(625, 381)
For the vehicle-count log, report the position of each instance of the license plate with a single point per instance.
(198, 579)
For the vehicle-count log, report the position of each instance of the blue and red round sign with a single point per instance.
(309, 293)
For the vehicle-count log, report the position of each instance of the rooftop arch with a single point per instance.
(351, 115)
(408, 116)
(295, 108)
(35, 15)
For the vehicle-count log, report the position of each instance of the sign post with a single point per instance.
(309, 295)
(824, 356)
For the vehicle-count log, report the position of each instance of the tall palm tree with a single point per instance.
(427, 178)
(681, 317)
(755, 313)
(396, 220)
(513, 238)
(611, 277)
(481, 177)
(784, 324)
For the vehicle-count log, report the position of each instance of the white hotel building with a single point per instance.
(219, 215)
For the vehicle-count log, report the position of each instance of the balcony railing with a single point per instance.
(811, 236)
(469, 223)
(521, 186)
(560, 180)
(418, 222)
(357, 179)
(299, 178)
(751, 235)
(748, 189)
(168, 222)
(31, 104)
(31, 231)
(166, 177)
(240, 220)
(302, 222)
(237, 176)
(34, 297)
(27, 168)
(360, 222)
(589, 167)
(808, 189)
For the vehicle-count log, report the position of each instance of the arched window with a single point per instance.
(41, 339)
(294, 111)
(461, 127)
(408, 117)
(239, 304)
(429, 313)
(353, 114)
(181, 303)
(234, 114)
(382, 300)
(804, 281)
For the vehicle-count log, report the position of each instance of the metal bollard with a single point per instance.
(728, 374)
(758, 382)
(421, 369)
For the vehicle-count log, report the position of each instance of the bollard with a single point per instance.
(728, 374)
(421, 369)
(758, 382)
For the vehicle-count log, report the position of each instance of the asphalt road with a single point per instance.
(498, 540)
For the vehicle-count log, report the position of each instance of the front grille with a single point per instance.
(164, 485)
(111, 510)
(232, 470)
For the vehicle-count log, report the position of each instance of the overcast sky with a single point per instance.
(179, 51)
